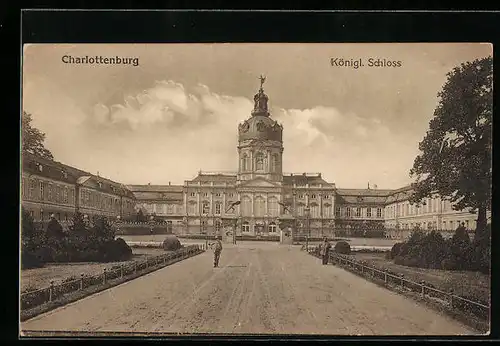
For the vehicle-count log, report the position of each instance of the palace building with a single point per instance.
(52, 188)
(257, 198)
(258, 195)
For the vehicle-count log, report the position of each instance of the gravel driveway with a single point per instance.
(259, 288)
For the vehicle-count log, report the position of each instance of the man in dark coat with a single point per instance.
(325, 250)
(217, 251)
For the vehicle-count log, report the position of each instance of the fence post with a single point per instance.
(402, 281)
(422, 283)
(451, 297)
(385, 276)
(104, 276)
(164, 260)
(81, 281)
(121, 271)
(147, 263)
(51, 290)
(135, 267)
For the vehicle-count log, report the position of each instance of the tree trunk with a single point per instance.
(481, 224)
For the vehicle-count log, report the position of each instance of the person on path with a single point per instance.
(217, 251)
(325, 251)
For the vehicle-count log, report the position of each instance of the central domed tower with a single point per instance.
(260, 141)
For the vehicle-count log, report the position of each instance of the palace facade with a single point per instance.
(258, 196)
(52, 188)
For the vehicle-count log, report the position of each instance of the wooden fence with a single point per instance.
(38, 297)
(448, 299)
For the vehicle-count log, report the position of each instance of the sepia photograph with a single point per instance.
(332, 189)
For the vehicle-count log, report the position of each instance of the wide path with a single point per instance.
(259, 288)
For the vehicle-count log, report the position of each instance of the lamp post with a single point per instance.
(307, 212)
(231, 207)
(204, 228)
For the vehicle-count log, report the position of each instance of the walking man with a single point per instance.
(217, 251)
(325, 250)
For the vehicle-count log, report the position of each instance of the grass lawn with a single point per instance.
(474, 285)
(41, 277)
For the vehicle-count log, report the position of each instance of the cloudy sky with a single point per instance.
(178, 111)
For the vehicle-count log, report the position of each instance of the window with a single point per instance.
(192, 208)
(272, 227)
(205, 194)
(259, 206)
(32, 188)
(259, 161)
(348, 212)
(358, 212)
(315, 210)
(275, 163)
(41, 190)
(246, 206)
(379, 212)
(217, 208)
(300, 209)
(313, 196)
(245, 227)
(327, 210)
(170, 208)
(273, 206)
(244, 162)
(337, 211)
(368, 212)
(326, 196)
(301, 196)
(193, 194)
(217, 194)
(231, 195)
(206, 208)
(218, 226)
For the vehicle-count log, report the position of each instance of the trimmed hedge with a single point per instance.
(171, 243)
(342, 247)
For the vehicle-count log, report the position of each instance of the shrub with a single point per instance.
(395, 250)
(411, 262)
(343, 247)
(30, 260)
(116, 250)
(481, 251)
(448, 264)
(171, 243)
(399, 260)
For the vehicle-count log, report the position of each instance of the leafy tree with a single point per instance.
(455, 159)
(33, 138)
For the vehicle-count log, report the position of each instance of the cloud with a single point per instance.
(190, 129)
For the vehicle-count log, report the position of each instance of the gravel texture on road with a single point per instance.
(258, 288)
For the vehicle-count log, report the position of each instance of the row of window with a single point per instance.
(358, 212)
(95, 199)
(445, 225)
(271, 228)
(311, 196)
(216, 194)
(34, 189)
(260, 163)
(429, 205)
